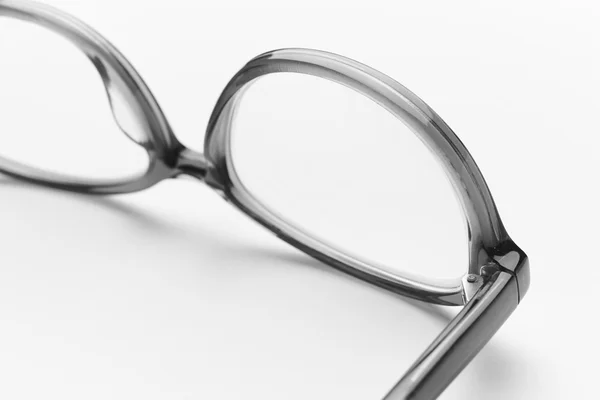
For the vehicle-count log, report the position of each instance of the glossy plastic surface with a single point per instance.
(486, 231)
(499, 270)
(124, 88)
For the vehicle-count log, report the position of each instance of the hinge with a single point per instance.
(473, 282)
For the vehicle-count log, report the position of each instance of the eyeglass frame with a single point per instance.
(498, 275)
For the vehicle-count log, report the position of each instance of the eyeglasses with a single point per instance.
(281, 103)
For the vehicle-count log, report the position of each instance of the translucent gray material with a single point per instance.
(57, 102)
(497, 276)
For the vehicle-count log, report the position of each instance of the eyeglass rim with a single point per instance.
(117, 74)
(486, 232)
(494, 256)
(169, 158)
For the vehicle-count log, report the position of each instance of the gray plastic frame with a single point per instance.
(498, 270)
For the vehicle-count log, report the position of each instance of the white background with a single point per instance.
(172, 294)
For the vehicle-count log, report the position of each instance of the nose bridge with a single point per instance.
(194, 163)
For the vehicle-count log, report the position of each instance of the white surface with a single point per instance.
(172, 294)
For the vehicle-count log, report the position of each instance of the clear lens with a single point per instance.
(55, 114)
(338, 166)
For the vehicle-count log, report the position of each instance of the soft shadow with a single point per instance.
(303, 260)
(111, 203)
(149, 221)
(492, 370)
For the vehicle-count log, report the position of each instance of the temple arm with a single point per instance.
(464, 337)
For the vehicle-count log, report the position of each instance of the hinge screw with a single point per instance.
(472, 278)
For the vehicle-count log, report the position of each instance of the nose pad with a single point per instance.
(125, 110)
